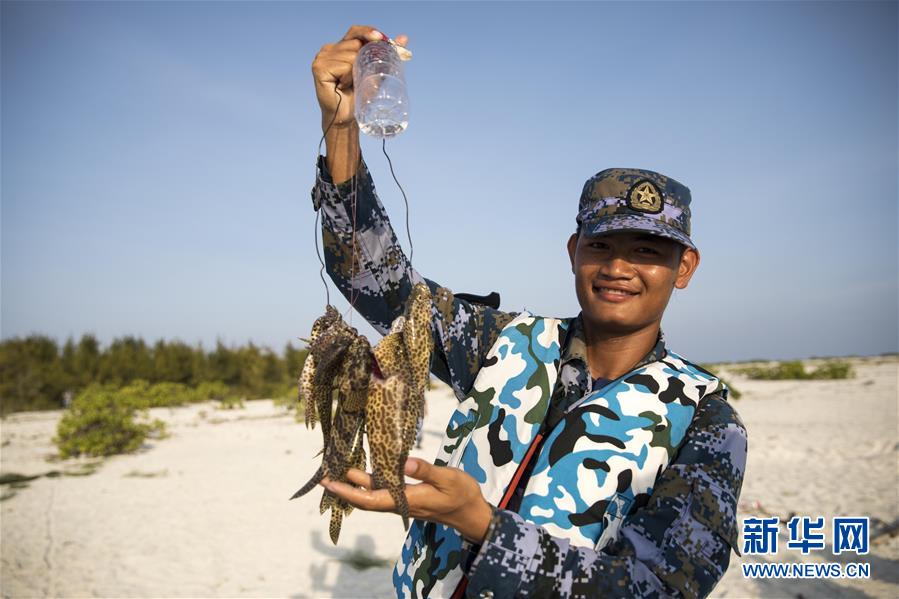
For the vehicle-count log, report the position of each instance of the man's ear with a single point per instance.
(572, 249)
(689, 262)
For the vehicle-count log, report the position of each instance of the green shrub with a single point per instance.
(230, 402)
(141, 394)
(217, 391)
(100, 423)
(833, 369)
(795, 370)
(136, 393)
(167, 395)
(285, 395)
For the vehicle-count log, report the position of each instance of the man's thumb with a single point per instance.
(419, 469)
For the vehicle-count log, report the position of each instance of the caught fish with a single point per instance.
(396, 399)
(387, 441)
(330, 367)
(307, 375)
(379, 395)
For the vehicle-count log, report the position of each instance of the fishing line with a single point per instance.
(405, 199)
(321, 271)
(354, 294)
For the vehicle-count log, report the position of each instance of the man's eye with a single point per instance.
(647, 250)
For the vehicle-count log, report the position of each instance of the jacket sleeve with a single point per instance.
(678, 545)
(376, 277)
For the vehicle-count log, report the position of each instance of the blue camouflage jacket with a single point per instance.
(677, 544)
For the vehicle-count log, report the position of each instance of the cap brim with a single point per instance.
(630, 222)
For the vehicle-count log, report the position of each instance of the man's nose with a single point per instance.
(616, 267)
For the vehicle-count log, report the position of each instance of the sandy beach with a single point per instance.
(205, 512)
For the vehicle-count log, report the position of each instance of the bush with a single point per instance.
(795, 370)
(216, 391)
(231, 402)
(141, 394)
(833, 369)
(167, 395)
(101, 423)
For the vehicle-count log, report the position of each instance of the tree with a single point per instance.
(293, 361)
(127, 358)
(173, 362)
(31, 374)
(87, 360)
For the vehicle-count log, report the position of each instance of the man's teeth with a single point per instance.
(615, 291)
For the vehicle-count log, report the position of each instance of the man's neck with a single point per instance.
(610, 355)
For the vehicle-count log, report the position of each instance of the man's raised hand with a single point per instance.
(333, 65)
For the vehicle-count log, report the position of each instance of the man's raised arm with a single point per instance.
(361, 252)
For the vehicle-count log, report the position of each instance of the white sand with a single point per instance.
(205, 511)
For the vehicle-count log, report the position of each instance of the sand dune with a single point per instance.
(204, 512)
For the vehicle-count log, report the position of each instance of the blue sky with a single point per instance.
(157, 160)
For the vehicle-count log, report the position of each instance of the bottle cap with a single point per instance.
(403, 53)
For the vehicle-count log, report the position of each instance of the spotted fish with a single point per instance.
(396, 397)
(342, 367)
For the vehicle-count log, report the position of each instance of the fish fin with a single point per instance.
(336, 521)
(316, 478)
(399, 498)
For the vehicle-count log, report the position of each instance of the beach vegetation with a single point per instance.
(99, 423)
(37, 374)
(796, 370)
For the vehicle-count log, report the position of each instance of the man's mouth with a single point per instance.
(613, 294)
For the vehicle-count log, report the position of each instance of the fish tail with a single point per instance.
(316, 478)
(336, 521)
(402, 506)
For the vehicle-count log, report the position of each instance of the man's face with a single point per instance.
(624, 279)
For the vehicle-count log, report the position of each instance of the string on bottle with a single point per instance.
(353, 292)
(321, 271)
(405, 199)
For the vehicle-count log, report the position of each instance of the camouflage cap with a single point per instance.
(631, 199)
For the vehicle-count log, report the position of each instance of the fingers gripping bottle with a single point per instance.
(381, 103)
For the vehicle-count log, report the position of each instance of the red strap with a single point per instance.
(463, 584)
(518, 473)
(460, 590)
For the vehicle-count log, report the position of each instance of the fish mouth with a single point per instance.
(376, 368)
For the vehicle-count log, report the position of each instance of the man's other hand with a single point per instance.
(445, 495)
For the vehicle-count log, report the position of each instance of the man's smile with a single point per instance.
(613, 293)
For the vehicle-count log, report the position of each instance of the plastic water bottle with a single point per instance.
(381, 103)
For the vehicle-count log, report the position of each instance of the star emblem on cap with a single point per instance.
(645, 197)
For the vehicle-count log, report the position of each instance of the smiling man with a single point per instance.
(585, 459)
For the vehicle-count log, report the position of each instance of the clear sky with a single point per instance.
(157, 160)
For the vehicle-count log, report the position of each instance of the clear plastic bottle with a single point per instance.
(381, 103)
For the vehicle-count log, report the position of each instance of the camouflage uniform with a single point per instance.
(676, 543)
